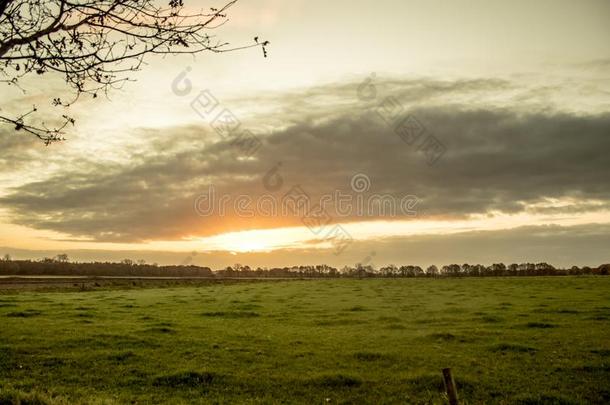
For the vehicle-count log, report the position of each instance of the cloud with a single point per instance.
(499, 157)
(17, 149)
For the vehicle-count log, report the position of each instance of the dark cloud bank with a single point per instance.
(497, 159)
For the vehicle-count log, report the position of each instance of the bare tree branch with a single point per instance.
(96, 44)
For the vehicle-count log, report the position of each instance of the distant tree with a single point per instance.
(141, 262)
(452, 270)
(389, 271)
(369, 271)
(477, 270)
(96, 44)
(362, 271)
(127, 262)
(346, 271)
(498, 269)
(544, 269)
(432, 271)
(7, 258)
(575, 270)
(473, 270)
(527, 268)
(229, 272)
(62, 258)
(8, 267)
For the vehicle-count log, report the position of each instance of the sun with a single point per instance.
(251, 241)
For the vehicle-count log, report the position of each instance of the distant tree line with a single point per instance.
(392, 271)
(61, 266)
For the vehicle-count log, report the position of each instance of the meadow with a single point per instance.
(534, 340)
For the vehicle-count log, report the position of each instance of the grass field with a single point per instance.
(510, 340)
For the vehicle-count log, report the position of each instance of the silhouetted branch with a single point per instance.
(45, 134)
(95, 45)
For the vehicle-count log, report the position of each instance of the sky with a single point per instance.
(420, 132)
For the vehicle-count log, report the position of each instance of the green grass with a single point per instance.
(511, 340)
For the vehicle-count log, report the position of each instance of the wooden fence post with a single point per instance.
(450, 386)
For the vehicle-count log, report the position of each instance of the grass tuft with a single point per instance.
(10, 396)
(28, 313)
(232, 314)
(539, 325)
(186, 379)
(491, 319)
(567, 311)
(601, 352)
(515, 348)
(442, 336)
(161, 329)
(122, 357)
(543, 399)
(337, 381)
(371, 356)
